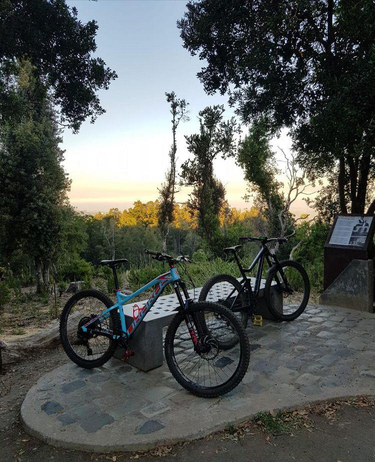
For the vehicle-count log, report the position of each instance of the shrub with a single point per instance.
(4, 293)
(77, 270)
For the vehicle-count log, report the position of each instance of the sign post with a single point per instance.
(348, 262)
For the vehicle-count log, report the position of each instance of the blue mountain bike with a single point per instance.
(206, 347)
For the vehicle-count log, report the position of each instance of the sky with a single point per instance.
(123, 157)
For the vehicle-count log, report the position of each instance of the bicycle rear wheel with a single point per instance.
(287, 290)
(195, 356)
(88, 350)
(226, 290)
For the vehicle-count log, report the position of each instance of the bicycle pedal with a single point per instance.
(127, 354)
(258, 320)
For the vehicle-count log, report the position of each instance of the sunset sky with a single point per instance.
(123, 157)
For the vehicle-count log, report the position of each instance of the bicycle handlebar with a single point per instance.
(165, 257)
(263, 239)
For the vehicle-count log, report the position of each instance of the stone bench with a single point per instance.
(148, 340)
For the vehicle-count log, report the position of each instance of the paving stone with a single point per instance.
(84, 373)
(348, 324)
(99, 378)
(67, 419)
(326, 334)
(151, 426)
(95, 422)
(328, 360)
(357, 344)
(307, 379)
(329, 324)
(73, 386)
(155, 409)
(368, 374)
(334, 343)
(51, 407)
(46, 387)
(317, 319)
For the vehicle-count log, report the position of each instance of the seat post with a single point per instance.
(114, 269)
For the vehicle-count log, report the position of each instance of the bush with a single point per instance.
(139, 277)
(4, 293)
(199, 271)
(311, 251)
(77, 270)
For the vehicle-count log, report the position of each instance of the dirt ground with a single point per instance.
(341, 431)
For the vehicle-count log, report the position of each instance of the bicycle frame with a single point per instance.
(263, 254)
(160, 282)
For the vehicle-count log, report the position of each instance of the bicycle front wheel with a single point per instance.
(226, 290)
(287, 290)
(85, 349)
(194, 355)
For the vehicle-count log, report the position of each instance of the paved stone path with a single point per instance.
(328, 352)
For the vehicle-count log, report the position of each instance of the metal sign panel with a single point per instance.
(351, 231)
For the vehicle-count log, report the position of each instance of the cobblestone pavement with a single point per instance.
(328, 352)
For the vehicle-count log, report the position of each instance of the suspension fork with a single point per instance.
(191, 319)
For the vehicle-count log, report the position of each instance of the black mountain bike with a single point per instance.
(287, 278)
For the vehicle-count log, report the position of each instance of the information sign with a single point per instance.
(351, 231)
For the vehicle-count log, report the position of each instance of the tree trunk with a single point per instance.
(40, 289)
(46, 279)
(341, 184)
(363, 183)
(371, 209)
(165, 236)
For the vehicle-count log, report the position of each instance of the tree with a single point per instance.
(273, 197)
(141, 214)
(168, 189)
(257, 160)
(33, 181)
(216, 137)
(49, 35)
(307, 65)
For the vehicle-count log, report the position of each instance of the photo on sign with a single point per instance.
(360, 232)
(351, 231)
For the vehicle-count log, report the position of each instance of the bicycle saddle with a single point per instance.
(232, 249)
(112, 263)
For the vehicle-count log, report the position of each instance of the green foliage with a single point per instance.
(257, 160)
(304, 65)
(33, 180)
(310, 252)
(139, 277)
(281, 423)
(4, 293)
(199, 271)
(60, 47)
(168, 189)
(106, 273)
(77, 270)
(199, 256)
(215, 137)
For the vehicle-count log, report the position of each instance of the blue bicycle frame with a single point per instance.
(160, 282)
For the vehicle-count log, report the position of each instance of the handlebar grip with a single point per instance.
(150, 252)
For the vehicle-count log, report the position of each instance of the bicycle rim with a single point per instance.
(226, 291)
(208, 370)
(289, 291)
(82, 347)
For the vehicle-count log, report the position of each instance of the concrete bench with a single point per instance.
(148, 340)
(225, 289)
